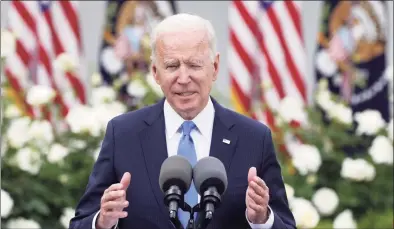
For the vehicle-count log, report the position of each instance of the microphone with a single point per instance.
(210, 180)
(175, 180)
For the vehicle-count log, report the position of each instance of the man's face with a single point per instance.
(185, 71)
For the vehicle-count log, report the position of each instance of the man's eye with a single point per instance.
(171, 66)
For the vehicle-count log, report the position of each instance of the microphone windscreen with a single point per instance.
(175, 170)
(208, 172)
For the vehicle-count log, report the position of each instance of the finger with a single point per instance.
(254, 206)
(251, 174)
(113, 187)
(256, 198)
(257, 188)
(115, 205)
(125, 181)
(114, 214)
(113, 195)
(260, 182)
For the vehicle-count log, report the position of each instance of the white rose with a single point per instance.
(326, 200)
(325, 63)
(17, 133)
(369, 122)
(289, 192)
(306, 158)
(41, 131)
(292, 109)
(305, 214)
(28, 160)
(12, 111)
(23, 223)
(103, 94)
(344, 220)
(7, 203)
(324, 100)
(56, 153)
(389, 130)
(82, 119)
(8, 43)
(136, 89)
(341, 113)
(150, 79)
(357, 170)
(105, 112)
(77, 144)
(65, 62)
(96, 79)
(68, 214)
(381, 150)
(39, 95)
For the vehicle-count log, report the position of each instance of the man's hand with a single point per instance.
(112, 203)
(257, 197)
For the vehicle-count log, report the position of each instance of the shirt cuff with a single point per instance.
(266, 225)
(95, 218)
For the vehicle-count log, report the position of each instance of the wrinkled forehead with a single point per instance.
(183, 45)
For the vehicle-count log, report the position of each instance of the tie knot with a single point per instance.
(187, 127)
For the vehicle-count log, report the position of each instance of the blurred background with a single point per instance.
(318, 73)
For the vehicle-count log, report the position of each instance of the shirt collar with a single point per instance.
(203, 121)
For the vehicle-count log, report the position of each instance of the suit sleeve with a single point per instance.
(102, 176)
(270, 172)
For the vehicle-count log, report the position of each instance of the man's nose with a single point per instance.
(184, 75)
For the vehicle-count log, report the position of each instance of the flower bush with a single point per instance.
(46, 165)
(338, 167)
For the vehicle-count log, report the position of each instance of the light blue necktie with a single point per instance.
(186, 149)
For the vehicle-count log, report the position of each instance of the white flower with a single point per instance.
(289, 192)
(381, 150)
(82, 119)
(389, 130)
(306, 158)
(56, 153)
(68, 214)
(369, 122)
(357, 170)
(17, 133)
(154, 85)
(344, 220)
(325, 63)
(103, 94)
(23, 223)
(136, 89)
(8, 43)
(341, 113)
(105, 112)
(77, 144)
(28, 160)
(96, 79)
(39, 95)
(324, 100)
(41, 132)
(326, 200)
(12, 111)
(305, 214)
(291, 109)
(65, 62)
(7, 203)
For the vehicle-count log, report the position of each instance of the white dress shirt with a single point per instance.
(202, 142)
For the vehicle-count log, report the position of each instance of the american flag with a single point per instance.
(44, 30)
(266, 46)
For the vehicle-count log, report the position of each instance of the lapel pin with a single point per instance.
(226, 141)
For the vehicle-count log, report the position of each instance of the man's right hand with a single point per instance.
(112, 203)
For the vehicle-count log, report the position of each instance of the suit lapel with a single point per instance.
(154, 146)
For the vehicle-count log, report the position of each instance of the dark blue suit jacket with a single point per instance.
(135, 142)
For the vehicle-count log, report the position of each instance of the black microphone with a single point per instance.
(175, 180)
(210, 180)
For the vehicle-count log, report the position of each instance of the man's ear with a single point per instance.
(154, 73)
(216, 66)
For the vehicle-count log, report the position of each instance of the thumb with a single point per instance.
(252, 173)
(125, 181)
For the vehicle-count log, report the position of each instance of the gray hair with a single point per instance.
(182, 22)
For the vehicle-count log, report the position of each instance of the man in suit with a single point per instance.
(123, 190)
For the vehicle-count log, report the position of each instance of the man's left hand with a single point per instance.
(257, 198)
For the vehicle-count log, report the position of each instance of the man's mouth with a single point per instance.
(185, 93)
